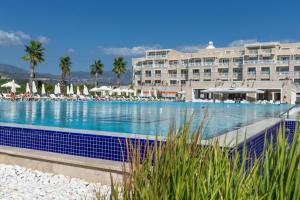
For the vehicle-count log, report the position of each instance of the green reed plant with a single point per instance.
(180, 168)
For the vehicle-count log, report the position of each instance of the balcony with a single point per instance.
(297, 73)
(148, 75)
(283, 74)
(223, 75)
(159, 65)
(208, 63)
(251, 75)
(156, 56)
(195, 64)
(137, 76)
(297, 61)
(283, 62)
(237, 75)
(157, 75)
(196, 75)
(238, 63)
(265, 74)
(207, 75)
(251, 62)
(267, 61)
(173, 75)
(185, 76)
(224, 64)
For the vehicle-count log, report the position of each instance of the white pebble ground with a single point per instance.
(21, 183)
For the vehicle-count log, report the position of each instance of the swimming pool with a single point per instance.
(147, 118)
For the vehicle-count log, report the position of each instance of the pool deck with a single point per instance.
(238, 136)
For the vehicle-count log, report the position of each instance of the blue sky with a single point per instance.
(90, 29)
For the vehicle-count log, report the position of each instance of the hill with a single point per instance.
(108, 77)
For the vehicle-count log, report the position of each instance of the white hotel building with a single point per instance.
(271, 67)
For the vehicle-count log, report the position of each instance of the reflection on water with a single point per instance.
(134, 117)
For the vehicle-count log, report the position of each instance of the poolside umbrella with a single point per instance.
(71, 90)
(125, 91)
(27, 88)
(95, 89)
(10, 84)
(149, 93)
(85, 90)
(55, 90)
(58, 88)
(13, 88)
(78, 91)
(117, 90)
(34, 90)
(68, 90)
(110, 92)
(142, 92)
(43, 90)
(155, 93)
(134, 92)
(131, 91)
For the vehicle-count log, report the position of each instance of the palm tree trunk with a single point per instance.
(62, 87)
(118, 79)
(31, 76)
(96, 81)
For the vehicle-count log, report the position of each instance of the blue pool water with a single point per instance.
(136, 117)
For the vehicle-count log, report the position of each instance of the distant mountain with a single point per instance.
(108, 77)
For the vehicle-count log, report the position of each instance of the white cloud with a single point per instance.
(70, 50)
(13, 38)
(8, 38)
(126, 51)
(239, 43)
(189, 48)
(43, 39)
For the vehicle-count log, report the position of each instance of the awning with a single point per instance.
(232, 90)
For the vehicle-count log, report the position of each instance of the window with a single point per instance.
(148, 73)
(173, 82)
(147, 82)
(138, 73)
(196, 71)
(182, 82)
(157, 73)
(157, 82)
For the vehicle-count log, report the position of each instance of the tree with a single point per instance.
(96, 70)
(65, 66)
(119, 67)
(34, 55)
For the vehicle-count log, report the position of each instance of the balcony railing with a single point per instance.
(251, 62)
(208, 63)
(196, 75)
(297, 73)
(265, 74)
(282, 61)
(156, 56)
(207, 74)
(283, 73)
(157, 75)
(173, 75)
(297, 61)
(184, 76)
(251, 74)
(148, 75)
(159, 65)
(237, 75)
(195, 64)
(223, 75)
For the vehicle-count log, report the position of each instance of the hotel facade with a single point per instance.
(271, 67)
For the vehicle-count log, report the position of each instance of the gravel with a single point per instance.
(21, 183)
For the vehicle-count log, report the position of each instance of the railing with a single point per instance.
(148, 75)
(296, 73)
(157, 75)
(194, 64)
(208, 63)
(184, 76)
(173, 75)
(251, 74)
(287, 112)
(196, 75)
(283, 61)
(285, 73)
(156, 56)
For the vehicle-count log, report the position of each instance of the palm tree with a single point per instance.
(35, 55)
(65, 66)
(97, 69)
(119, 67)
